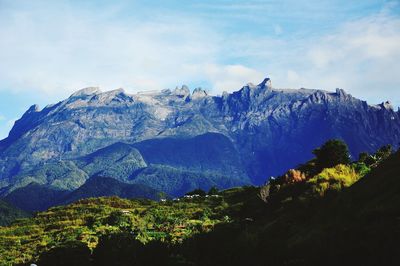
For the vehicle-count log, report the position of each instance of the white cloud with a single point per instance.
(54, 50)
(362, 57)
(71, 50)
(231, 77)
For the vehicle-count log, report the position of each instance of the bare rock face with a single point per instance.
(272, 129)
(198, 93)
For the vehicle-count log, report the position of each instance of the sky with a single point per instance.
(49, 49)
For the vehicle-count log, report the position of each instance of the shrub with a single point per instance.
(334, 178)
(294, 176)
(118, 218)
(361, 168)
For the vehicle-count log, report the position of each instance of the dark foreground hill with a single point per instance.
(294, 220)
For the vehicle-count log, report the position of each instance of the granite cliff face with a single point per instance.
(264, 131)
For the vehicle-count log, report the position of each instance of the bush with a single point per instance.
(294, 176)
(118, 218)
(361, 168)
(334, 178)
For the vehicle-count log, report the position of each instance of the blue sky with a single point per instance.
(48, 49)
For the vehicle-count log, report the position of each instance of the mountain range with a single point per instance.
(173, 141)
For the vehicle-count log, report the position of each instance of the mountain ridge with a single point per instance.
(271, 129)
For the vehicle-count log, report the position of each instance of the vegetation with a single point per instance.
(335, 178)
(92, 219)
(9, 213)
(332, 153)
(35, 197)
(344, 214)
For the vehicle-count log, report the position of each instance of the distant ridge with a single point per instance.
(260, 131)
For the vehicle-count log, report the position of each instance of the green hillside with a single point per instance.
(344, 213)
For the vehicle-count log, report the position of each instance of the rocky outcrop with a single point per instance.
(272, 129)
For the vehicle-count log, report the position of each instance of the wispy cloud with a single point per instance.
(70, 50)
(55, 48)
(362, 57)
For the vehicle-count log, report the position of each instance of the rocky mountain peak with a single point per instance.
(266, 83)
(386, 105)
(341, 93)
(182, 92)
(86, 92)
(33, 109)
(198, 93)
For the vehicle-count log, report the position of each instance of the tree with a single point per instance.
(117, 249)
(69, 253)
(213, 191)
(363, 157)
(384, 152)
(332, 153)
(124, 249)
(198, 191)
(120, 219)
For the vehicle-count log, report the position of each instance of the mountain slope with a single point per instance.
(209, 152)
(104, 186)
(9, 213)
(171, 165)
(177, 182)
(35, 197)
(118, 160)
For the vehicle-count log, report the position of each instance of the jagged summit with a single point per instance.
(386, 105)
(86, 92)
(34, 108)
(266, 83)
(198, 93)
(182, 91)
